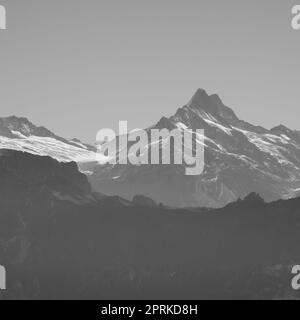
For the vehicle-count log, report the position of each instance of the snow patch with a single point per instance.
(45, 146)
(219, 126)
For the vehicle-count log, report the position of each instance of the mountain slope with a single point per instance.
(27, 178)
(20, 134)
(239, 158)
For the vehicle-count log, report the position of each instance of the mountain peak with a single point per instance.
(216, 98)
(199, 99)
(281, 128)
(15, 118)
(211, 104)
(254, 198)
(13, 126)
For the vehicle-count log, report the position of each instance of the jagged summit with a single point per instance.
(21, 127)
(281, 128)
(286, 132)
(211, 104)
(199, 99)
(15, 118)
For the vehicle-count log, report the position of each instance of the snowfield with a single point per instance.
(45, 146)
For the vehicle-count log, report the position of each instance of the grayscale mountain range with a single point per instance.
(60, 239)
(149, 150)
(240, 158)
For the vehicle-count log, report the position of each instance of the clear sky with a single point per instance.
(78, 66)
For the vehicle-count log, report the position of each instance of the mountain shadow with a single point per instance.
(59, 240)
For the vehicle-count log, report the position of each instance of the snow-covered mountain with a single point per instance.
(239, 158)
(20, 134)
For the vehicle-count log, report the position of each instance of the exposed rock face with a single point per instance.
(20, 171)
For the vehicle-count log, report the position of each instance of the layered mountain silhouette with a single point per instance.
(60, 240)
(239, 158)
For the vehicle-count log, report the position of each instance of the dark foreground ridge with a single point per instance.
(58, 240)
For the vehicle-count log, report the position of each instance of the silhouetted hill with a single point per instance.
(106, 247)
